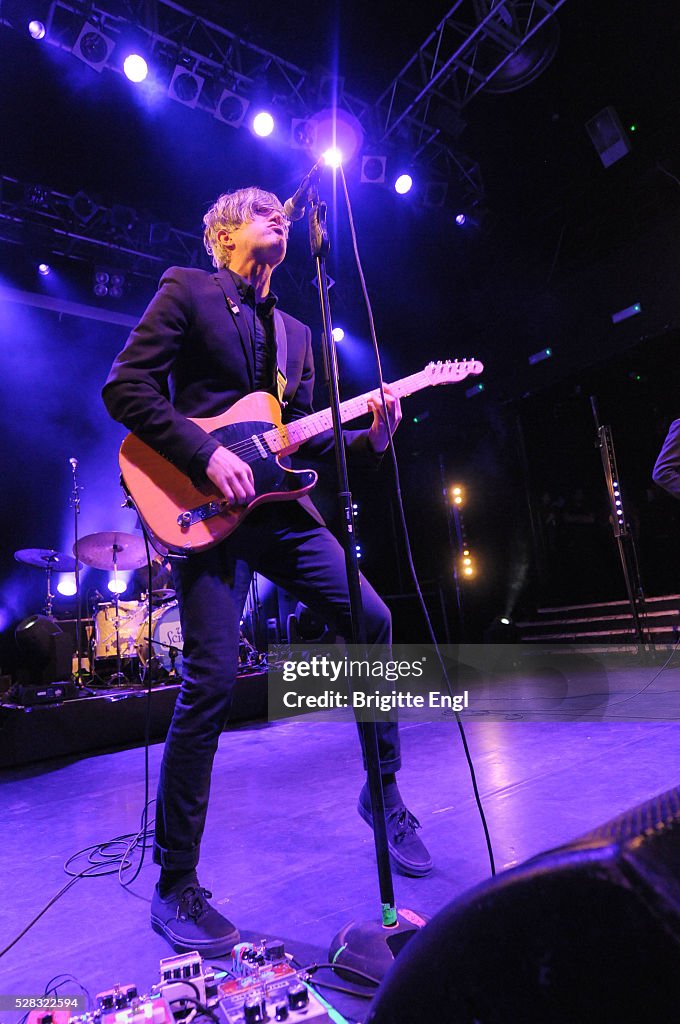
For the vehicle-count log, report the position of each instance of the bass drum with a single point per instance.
(166, 639)
(131, 616)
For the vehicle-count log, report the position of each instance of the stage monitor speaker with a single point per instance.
(45, 651)
(585, 934)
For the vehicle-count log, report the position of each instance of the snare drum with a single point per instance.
(166, 638)
(131, 615)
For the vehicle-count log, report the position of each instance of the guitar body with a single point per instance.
(184, 519)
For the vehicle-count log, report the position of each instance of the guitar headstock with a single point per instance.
(449, 371)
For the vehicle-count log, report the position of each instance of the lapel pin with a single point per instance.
(233, 307)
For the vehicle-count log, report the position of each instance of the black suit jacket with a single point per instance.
(191, 355)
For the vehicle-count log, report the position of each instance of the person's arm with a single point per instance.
(666, 472)
(136, 392)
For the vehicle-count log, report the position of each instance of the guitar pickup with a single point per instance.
(260, 447)
(200, 513)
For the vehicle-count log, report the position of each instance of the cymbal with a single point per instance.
(99, 549)
(164, 594)
(46, 558)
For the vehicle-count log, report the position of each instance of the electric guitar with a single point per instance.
(184, 519)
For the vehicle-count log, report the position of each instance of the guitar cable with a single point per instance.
(404, 525)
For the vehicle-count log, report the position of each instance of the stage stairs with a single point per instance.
(606, 622)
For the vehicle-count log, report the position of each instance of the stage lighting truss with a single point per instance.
(477, 45)
(76, 228)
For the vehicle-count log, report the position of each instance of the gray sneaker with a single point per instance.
(189, 923)
(407, 851)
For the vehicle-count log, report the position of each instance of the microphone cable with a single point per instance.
(404, 525)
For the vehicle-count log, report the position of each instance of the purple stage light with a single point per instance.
(460, 219)
(263, 124)
(135, 68)
(44, 269)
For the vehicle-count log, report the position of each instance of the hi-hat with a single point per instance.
(112, 550)
(46, 558)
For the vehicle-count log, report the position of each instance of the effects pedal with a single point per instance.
(185, 977)
(266, 988)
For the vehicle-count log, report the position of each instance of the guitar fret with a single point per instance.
(289, 435)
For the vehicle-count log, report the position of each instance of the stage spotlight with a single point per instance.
(82, 207)
(333, 157)
(373, 169)
(303, 133)
(263, 124)
(231, 108)
(116, 285)
(502, 630)
(44, 269)
(185, 86)
(460, 219)
(100, 284)
(403, 184)
(467, 567)
(36, 30)
(93, 47)
(135, 67)
(117, 585)
(338, 333)
(339, 130)
(67, 585)
(435, 193)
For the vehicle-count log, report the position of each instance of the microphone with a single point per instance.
(294, 207)
(74, 463)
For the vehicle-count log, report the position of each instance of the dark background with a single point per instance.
(561, 243)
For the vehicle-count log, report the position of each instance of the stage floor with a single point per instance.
(285, 853)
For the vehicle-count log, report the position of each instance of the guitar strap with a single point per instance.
(281, 339)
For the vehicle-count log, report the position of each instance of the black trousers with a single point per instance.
(284, 544)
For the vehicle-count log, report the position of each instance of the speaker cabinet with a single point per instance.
(585, 934)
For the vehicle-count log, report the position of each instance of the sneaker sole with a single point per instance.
(209, 947)
(403, 867)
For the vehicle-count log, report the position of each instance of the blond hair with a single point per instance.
(229, 211)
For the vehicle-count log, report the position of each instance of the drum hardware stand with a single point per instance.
(621, 526)
(49, 597)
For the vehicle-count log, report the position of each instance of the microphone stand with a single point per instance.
(75, 501)
(368, 946)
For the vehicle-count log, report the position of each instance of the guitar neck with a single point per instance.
(289, 436)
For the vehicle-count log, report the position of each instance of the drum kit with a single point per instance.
(121, 634)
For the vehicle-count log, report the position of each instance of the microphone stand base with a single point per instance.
(372, 947)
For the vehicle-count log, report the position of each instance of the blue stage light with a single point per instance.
(135, 67)
(403, 184)
(263, 124)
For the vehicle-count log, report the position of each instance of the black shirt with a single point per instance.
(262, 334)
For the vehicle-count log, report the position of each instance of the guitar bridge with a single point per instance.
(200, 513)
